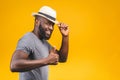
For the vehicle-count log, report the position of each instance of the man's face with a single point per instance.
(46, 28)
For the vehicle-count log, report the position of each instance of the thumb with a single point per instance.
(53, 49)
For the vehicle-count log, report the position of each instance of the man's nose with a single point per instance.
(50, 27)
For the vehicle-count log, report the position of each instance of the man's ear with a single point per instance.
(37, 22)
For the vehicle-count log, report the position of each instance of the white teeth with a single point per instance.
(48, 32)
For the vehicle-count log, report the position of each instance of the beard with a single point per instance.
(43, 33)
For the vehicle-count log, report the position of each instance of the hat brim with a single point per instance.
(36, 14)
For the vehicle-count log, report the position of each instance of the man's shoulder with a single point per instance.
(27, 38)
(26, 43)
(28, 35)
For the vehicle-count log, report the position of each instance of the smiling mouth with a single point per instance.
(48, 32)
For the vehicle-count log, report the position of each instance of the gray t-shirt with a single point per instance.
(36, 49)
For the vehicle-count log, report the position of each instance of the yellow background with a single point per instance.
(94, 37)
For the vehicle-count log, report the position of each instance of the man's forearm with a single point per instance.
(25, 65)
(63, 52)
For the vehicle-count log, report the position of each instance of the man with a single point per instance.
(33, 53)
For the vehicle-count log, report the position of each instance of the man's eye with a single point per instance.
(47, 23)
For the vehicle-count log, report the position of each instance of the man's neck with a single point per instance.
(37, 34)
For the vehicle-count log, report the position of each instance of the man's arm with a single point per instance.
(20, 61)
(63, 52)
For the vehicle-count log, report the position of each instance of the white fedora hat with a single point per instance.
(47, 13)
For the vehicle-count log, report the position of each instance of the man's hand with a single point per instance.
(53, 57)
(64, 29)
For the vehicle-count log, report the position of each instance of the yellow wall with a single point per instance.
(94, 37)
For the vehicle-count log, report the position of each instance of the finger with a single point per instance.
(63, 25)
(57, 56)
(54, 48)
(55, 63)
(68, 29)
(64, 28)
(59, 24)
(58, 59)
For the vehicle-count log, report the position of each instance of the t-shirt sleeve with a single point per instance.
(24, 45)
